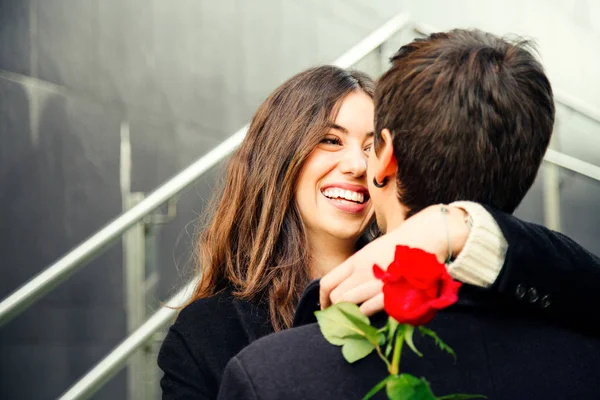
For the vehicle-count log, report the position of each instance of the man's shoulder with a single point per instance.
(299, 363)
(302, 347)
(287, 341)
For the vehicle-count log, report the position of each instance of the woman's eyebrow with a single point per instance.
(339, 128)
(344, 130)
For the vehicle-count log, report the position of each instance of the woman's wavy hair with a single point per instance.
(255, 241)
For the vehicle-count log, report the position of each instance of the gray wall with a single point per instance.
(184, 75)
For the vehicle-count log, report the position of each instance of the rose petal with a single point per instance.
(405, 303)
(421, 268)
(448, 295)
(378, 272)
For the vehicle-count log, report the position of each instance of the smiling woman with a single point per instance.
(331, 193)
(294, 205)
(259, 243)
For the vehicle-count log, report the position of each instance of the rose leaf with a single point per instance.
(355, 349)
(344, 325)
(408, 387)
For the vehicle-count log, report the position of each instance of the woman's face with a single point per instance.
(331, 192)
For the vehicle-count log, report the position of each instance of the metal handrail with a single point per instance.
(572, 164)
(58, 272)
(373, 41)
(579, 106)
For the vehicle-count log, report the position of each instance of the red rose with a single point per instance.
(415, 286)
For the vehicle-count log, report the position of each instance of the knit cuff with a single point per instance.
(482, 257)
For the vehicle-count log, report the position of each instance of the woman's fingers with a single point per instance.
(361, 293)
(373, 305)
(332, 280)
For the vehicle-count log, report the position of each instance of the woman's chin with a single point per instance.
(351, 234)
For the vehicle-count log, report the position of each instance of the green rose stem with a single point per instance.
(394, 368)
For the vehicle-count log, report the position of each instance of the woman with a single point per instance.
(293, 207)
(255, 254)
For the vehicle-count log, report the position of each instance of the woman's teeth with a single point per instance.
(334, 193)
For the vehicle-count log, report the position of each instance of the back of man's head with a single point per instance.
(471, 116)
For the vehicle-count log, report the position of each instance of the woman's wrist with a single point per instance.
(442, 234)
(459, 228)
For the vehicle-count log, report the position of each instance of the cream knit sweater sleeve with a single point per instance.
(481, 259)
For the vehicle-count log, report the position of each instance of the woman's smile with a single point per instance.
(346, 197)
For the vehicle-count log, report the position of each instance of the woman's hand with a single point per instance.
(353, 280)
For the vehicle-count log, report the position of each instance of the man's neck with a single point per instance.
(394, 215)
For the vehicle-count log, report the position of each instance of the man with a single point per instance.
(462, 115)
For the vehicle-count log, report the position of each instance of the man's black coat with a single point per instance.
(533, 335)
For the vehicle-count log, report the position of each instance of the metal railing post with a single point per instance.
(134, 275)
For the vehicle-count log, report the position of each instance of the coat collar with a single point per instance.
(308, 304)
(255, 318)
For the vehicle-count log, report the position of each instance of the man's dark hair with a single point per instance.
(471, 116)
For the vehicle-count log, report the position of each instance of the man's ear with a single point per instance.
(387, 161)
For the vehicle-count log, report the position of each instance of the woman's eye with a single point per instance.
(331, 141)
(368, 148)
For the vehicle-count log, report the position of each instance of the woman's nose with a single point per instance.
(354, 163)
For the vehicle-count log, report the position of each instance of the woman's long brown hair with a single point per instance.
(255, 242)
